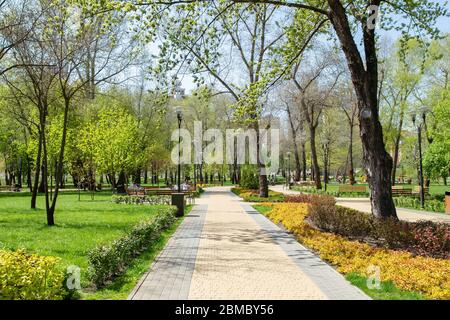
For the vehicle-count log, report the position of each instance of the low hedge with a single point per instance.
(337, 194)
(431, 204)
(424, 238)
(110, 260)
(252, 195)
(150, 200)
(26, 276)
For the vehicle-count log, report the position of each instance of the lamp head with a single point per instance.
(179, 115)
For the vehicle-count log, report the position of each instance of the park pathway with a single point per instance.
(363, 204)
(224, 249)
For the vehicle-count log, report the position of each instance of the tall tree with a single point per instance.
(363, 67)
(349, 19)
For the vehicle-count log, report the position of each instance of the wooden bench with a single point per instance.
(352, 189)
(134, 191)
(401, 191)
(306, 183)
(10, 188)
(168, 192)
(416, 190)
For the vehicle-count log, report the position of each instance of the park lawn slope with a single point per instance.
(80, 226)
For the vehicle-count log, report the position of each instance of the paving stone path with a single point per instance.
(224, 249)
(363, 204)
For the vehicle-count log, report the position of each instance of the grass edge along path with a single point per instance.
(387, 289)
(121, 287)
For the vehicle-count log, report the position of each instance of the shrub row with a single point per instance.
(110, 260)
(252, 195)
(331, 193)
(26, 276)
(308, 198)
(431, 204)
(150, 200)
(423, 238)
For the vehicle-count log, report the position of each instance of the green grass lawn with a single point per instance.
(80, 225)
(386, 291)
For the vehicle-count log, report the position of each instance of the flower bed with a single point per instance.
(149, 200)
(430, 276)
(424, 238)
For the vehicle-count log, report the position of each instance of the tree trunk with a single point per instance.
(60, 165)
(146, 176)
(37, 173)
(351, 172)
(303, 162)
(121, 183)
(364, 75)
(315, 162)
(19, 173)
(263, 183)
(137, 176)
(298, 167)
(29, 182)
(50, 216)
(397, 147)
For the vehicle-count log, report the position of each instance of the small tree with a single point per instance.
(249, 178)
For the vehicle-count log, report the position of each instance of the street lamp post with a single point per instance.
(419, 137)
(180, 118)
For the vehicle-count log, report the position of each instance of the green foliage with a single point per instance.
(111, 140)
(253, 195)
(249, 177)
(331, 192)
(432, 205)
(387, 290)
(150, 200)
(110, 260)
(436, 159)
(26, 276)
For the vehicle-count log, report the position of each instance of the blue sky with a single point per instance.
(443, 24)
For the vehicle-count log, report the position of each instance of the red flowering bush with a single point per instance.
(432, 239)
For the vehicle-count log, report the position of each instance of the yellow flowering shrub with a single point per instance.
(26, 276)
(427, 275)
